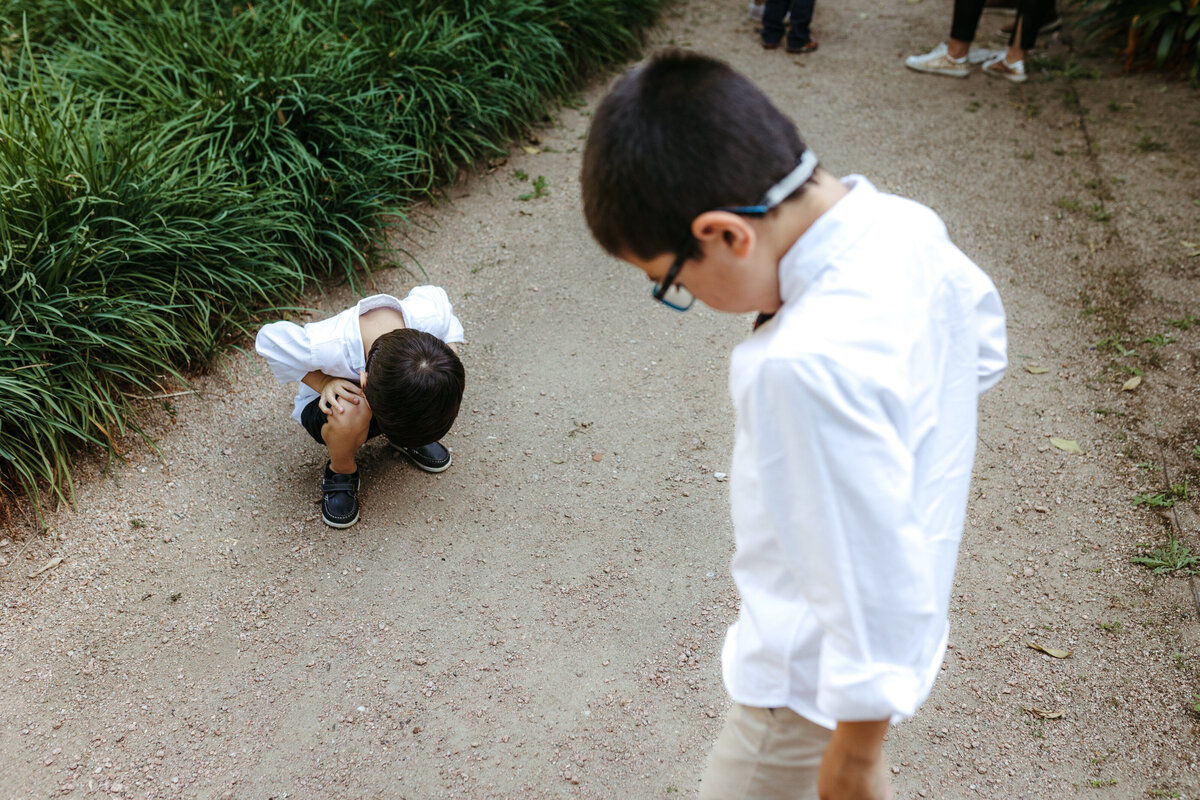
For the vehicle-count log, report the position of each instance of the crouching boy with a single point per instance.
(383, 366)
(855, 401)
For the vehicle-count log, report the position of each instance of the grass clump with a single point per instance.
(168, 170)
(1174, 556)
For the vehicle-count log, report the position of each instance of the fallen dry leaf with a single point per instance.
(1034, 369)
(1050, 651)
(1131, 384)
(49, 565)
(533, 151)
(1066, 445)
(1043, 713)
(1193, 248)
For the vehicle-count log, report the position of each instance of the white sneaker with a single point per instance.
(982, 55)
(999, 68)
(938, 62)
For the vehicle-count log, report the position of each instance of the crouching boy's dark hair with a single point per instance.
(680, 135)
(414, 385)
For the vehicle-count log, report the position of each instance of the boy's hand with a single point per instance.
(853, 767)
(334, 391)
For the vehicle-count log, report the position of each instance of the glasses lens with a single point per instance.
(678, 297)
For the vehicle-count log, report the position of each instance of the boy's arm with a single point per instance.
(286, 348)
(993, 343)
(837, 486)
(853, 766)
(332, 390)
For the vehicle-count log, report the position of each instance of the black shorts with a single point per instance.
(313, 419)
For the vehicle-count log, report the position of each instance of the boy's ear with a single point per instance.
(732, 230)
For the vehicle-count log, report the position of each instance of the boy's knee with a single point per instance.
(354, 422)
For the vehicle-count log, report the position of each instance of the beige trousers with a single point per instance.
(765, 754)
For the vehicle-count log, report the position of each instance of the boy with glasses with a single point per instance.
(856, 403)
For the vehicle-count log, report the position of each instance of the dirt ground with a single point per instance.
(544, 619)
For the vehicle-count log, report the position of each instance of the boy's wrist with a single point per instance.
(317, 381)
(861, 741)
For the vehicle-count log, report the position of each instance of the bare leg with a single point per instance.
(345, 432)
(1015, 53)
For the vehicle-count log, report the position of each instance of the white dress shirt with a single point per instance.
(854, 440)
(335, 346)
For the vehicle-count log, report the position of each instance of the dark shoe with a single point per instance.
(770, 45)
(429, 457)
(808, 47)
(339, 498)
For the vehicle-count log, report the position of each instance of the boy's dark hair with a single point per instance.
(414, 386)
(678, 136)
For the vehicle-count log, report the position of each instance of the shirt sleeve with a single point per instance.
(993, 340)
(287, 349)
(837, 485)
(427, 308)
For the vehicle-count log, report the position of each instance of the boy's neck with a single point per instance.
(794, 219)
(798, 216)
(376, 323)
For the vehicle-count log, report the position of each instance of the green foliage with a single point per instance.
(1116, 344)
(1179, 491)
(1147, 144)
(540, 189)
(1153, 500)
(1168, 31)
(169, 169)
(1174, 556)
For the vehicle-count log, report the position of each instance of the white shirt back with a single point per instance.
(855, 436)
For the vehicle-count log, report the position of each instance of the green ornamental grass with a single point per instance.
(1167, 31)
(171, 170)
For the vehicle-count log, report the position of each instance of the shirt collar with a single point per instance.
(832, 232)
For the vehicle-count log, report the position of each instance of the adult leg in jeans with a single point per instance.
(1031, 15)
(802, 12)
(772, 21)
(963, 26)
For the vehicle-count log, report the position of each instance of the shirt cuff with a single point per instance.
(853, 691)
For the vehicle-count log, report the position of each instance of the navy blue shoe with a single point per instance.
(429, 457)
(339, 498)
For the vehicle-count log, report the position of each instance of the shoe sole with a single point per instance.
(333, 524)
(942, 72)
(1009, 78)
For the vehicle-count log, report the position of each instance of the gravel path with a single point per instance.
(544, 619)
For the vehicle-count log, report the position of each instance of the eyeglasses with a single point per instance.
(676, 296)
(669, 293)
